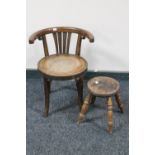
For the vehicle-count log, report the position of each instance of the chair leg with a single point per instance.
(47, 94)
(109, 113)
(79, 85)
(119, 102)
(84, 108)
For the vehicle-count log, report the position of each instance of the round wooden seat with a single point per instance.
(62, 65)
(103, 86)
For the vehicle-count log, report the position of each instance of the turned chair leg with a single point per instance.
(119, 102)
(84, 108)
(79, 85)
(109, 113)
(47, 94)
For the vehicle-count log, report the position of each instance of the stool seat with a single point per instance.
(103, 86)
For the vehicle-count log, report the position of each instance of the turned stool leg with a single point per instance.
(84, 108)
(93, 99)
(110, 113)
(119, 102)
(79, 85)
(47, 94)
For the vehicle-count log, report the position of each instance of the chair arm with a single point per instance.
(33, 37)
(38, 34)
(90, 36)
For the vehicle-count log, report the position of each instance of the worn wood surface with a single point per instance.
(62, 66)
(40, 33)
(103, 86)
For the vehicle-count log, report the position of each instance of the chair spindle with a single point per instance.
(45, 45)
(78, 45)
(60, 42)
(68, 42)
(64, 42)
(56, 42)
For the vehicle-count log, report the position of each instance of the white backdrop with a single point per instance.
(108, 20)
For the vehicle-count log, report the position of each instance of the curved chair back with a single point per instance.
(62, 37)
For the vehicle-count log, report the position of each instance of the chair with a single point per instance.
(62, 65)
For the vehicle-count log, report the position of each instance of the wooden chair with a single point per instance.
(62, 65)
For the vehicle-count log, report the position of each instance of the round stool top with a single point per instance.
(103, 86)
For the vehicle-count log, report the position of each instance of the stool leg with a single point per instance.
(47, 93)
(84, 108)
(119, 102)
(109, 113)
(93, 99)
(79, 85)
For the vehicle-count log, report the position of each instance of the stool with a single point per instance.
(102, 86)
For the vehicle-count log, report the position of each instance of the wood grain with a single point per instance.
(84, 33)
(62, 65)
(109, 113)
(103, 86)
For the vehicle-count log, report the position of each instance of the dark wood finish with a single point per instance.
(93, 99)
(62, 37)
(45, 45)
(56, 42)
(85, 108)
(119, 102)
(47, 93)
(68, 42)
(60, 42)
(103, 87)
(64, 41)
(78, 46)
(38, 34)
(79, 85)
(62, 65)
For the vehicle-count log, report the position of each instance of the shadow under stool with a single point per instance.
(106, 87)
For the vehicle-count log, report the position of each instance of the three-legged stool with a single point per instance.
(102, 86)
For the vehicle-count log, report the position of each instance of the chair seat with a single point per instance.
(103, 86)
(62, 65)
